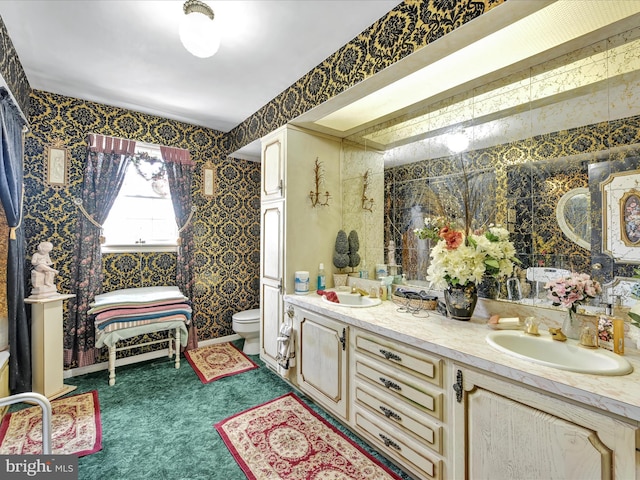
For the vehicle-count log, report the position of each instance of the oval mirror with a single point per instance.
(574, 217)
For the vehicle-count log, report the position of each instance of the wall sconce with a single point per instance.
(315, 196)
(367, 203)
(198, 32)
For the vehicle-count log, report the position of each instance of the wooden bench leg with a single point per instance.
(177, 340)
(112, 365)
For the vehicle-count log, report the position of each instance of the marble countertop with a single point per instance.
(465, 342)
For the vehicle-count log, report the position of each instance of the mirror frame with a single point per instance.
(562, 222)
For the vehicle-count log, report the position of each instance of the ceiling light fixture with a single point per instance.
(457, 141)
(198, 33)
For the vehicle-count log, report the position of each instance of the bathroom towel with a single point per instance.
(331, 296)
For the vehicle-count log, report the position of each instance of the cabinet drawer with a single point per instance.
(399, 446)
(405, 417)
(401, 386)
(398, 355)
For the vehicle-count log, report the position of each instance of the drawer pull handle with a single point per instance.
(390, 413)
(390, 355)
(390, 384)
(389, 443)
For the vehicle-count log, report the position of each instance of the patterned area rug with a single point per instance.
(219, 360)
(285, 439)
(75, 427)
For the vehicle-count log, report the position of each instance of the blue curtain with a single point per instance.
(11, 192)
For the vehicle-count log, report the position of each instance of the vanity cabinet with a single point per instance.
(504, 430)
(322, 360)
(399, 403)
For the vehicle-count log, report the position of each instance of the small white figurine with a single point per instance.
(391, 255)
(42, 275)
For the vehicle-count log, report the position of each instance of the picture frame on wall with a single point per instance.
(630, 218)
(621, 216)
(57, 164)
(208, 181)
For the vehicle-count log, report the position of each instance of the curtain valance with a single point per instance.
(176, 155)
(106, 144)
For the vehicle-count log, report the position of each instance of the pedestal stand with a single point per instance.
(47, 348)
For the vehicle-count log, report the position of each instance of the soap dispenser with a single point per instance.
(383, 290)
(322, 282)
(611, 331)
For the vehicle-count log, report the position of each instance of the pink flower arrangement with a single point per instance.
(571, 291)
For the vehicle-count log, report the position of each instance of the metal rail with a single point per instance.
(46, 414)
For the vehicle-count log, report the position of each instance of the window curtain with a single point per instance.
(107, 161)
(11, 195)
(179, 173)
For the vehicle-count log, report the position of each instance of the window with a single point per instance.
(142, 216)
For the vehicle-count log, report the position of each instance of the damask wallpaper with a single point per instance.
(405, 29)
(226, 226)
(12, 71)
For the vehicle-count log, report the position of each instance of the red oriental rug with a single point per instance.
(218, 360)
(285, 439)
(75, 428)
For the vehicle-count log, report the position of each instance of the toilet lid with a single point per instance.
(247, 315)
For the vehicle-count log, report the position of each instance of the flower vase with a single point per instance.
(461, 300)
(340, 279)
(489, 287)
(573, 323)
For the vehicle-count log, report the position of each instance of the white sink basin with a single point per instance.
(562, 355)
(353, 300)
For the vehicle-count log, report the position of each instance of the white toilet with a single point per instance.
(247, 325)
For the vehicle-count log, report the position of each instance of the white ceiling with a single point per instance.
(127, 53)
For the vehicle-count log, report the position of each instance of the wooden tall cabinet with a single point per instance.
(507, 431)
(294, 235)
(272, 273)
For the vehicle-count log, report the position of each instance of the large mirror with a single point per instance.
(528, 138)
(529, 100)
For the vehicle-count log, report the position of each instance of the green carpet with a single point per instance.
(157, 422)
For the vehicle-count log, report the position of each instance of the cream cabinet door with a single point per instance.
(505, 431)
(271, 273)
(273, 163)
(322, 360)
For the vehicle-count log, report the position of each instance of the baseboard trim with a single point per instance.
(97, 367)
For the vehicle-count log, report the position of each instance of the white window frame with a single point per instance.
(154, 151)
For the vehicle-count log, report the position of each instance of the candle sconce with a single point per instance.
(316, 195)
(367, 203)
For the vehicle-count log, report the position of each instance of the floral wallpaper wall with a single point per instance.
(227, 225)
